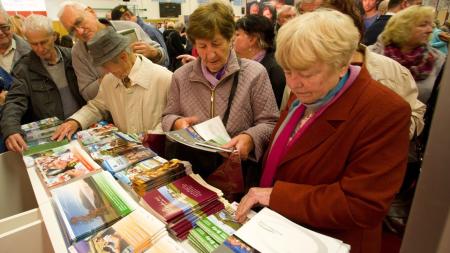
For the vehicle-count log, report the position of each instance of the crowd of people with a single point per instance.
(327, 102)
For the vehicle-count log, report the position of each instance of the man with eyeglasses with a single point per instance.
(81, 21)
(44, 83)
(12, 48)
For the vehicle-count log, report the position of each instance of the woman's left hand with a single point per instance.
(243, 143)
(254, 196)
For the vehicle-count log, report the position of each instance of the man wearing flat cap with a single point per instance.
(134, 90)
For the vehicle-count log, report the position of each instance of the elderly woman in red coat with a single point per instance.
(338, 156)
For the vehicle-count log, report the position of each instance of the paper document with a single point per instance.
(269, 231)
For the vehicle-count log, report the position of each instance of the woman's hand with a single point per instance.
(243, 143)
(254, 196)
(184, 122)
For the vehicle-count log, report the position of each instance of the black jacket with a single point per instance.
(371, 34)
(34, 93)
(276, 76)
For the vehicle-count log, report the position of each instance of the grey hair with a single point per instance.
(5, 15)
(285, 8)
(36, 22)
(73, 4)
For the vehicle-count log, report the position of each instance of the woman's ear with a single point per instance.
(253, 40)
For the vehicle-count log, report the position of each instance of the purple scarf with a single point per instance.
(419, 61)
(282, 141)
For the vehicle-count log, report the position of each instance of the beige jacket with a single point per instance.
(135, 109)
(397, 78)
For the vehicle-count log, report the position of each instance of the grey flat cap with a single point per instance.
(105, 45)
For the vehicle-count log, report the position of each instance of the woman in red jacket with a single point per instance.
(338, 156)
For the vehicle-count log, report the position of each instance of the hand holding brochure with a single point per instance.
(209, 136)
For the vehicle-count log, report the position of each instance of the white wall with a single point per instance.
(152, 7)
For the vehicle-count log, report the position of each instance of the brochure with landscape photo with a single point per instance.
(88, 205)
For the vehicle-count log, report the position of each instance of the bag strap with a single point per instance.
(232, 92)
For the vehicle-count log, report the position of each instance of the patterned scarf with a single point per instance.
(419, 61)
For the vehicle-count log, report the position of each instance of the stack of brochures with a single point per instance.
(91, 204)
(39, 132)
(209, 136)
(136, 232)
(269, 231)
(212, 231)
(62, 164)
(113, 150)
(181, 203)
(151, 174)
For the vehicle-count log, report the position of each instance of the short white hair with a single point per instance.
(36, 22)
(73, 4)
(326, 36)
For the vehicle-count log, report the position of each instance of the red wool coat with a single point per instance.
(340, 177)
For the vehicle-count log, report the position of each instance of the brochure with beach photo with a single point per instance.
(62, 164)
(86, 206)
(209, 136)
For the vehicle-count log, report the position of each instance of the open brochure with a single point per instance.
(209, 136)
(269, 231)
(131, 34)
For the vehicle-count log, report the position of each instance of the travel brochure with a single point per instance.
(88, 205)
(62, 164)
(136, 232)
(40, 132)
(97, 214)
(209, 136)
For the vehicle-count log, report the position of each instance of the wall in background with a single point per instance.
(144, 8)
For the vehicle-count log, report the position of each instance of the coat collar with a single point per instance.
(36, 63)
(197, 75)
(328, 123)
(137, 74)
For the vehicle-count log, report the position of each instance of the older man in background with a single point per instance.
(12, 48)
(81, 21)
(134, 91)
(285, 13)
(44, 83)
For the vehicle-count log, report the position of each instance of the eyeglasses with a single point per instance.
(5, 28)
(79, 22)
